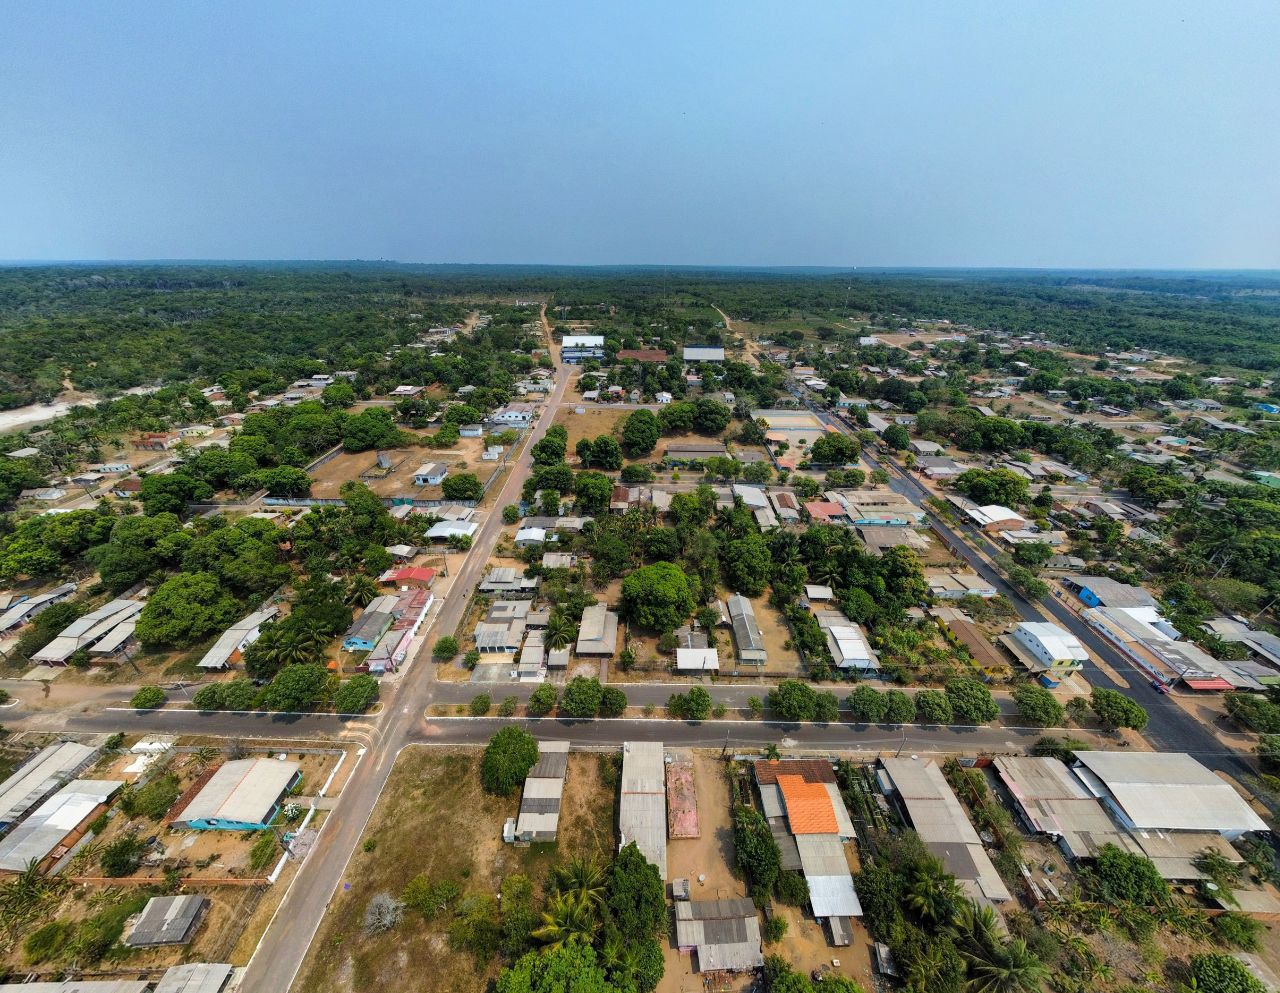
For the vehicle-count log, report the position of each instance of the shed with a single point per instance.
(697, 660)
(195, 977)
(40, 776)
(747, 636)
(642, 807)
(598, 631)
(725, 934)
(167, 920)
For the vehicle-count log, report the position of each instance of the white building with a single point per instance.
(1054, 648)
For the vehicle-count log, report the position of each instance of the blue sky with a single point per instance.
(845, 133)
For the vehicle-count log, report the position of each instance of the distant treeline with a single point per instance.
(111, 327)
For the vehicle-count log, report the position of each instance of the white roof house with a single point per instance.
(43, 773)
(243, 794)
(530, 536)
(642, 808)
(1051, 645)
(598, 631)
(583, 341)
(40, 835)
(24, 610)
(1155, 791)
(697, 660)
(443, 530)
(703, 353)
(88, 630)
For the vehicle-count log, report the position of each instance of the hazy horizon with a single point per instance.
(918, 136)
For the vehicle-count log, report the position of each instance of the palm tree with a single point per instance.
(1011, 968)
(361, 590)
(927, 969)
(560, 630)
(581, 876)
(933, 894)
(771, 752)
(568, 919)
(976, 928)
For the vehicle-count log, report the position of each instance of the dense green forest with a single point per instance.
(111, 327)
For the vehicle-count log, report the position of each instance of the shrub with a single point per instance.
(542, 701)
(510, 514)
(356, 695)
(899, 707)
(446, 648)
(971, 701)
(1037, 706)
(508, 757)
(428, 898)
(792, 889)
(756, 706)
(265, 848)
(472, 658)
(46, 942)
(148, 698)
(480, 704)
(508, 707)
(152, 800)
(581, 698)
(933, 707)
(122, 857)
(382, 913)
(774, 930)
(1218, 973)
(867, 705)
(1237, 930)
(613, 702)
(1118, 876)
(1115, 710)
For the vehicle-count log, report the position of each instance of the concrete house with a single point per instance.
(243, 795)
(430, 474)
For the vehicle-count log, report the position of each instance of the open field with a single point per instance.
(463, 456)
(592, 423)
(433, 818)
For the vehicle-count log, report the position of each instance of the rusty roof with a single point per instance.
(810, 770)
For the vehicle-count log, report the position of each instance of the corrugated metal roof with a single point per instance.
(810, 770)
(243, 790)
(642, 809)
(1055, 802)
(196, 977)
(53, 820)
(833, 896)
(38, 777)
(1169, 791)
(166, 920)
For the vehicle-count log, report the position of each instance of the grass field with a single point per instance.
(434, 819)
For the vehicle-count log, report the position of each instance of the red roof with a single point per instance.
(825, 509)
(1214, 683)
(415, 574)
(809, 809)
(810, 770)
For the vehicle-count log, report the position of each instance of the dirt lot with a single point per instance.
(433, 818)
(782, 661)
(591, 424)
(464, 456)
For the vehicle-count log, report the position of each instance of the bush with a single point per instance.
(382, 914)
(480, 704)
(794, 701)
(508, 707)
(1237, 931)
(582, 696)
(866, 705)
(692, 706)
(1121, 877)
(971, 701)
(542, 701)
(152, 800)
(1217, 973)
(774, 930)
(755, 706)
(265, 849)
(792, 889)
(899, 708)
(122, 857)
(1038, 707)
(1115, 710)
(933, 707)
(356, 695)
(148, 698)
(613, 702)
(428, 898)
(46, 942)
(510, 514)
(508, 757)
(446, 648)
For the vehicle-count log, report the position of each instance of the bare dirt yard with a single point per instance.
(594, 422)
(433, 819)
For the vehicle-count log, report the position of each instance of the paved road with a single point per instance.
(279, 955)
(1170, 728)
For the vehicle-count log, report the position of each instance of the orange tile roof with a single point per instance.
(809, 809)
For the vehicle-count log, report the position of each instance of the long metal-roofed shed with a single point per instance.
(1165, 791)
(539, 817)
(937, 816)
(195, 977)
(87, 631)
(724, 933)
(39, 777)
(236, 638)
(167, 920)
(747, 636)
(1051, 801)
(642, 808)
(1103, 591)
(243, 795)
(597, 631)
(24, 610)
(55, 823)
